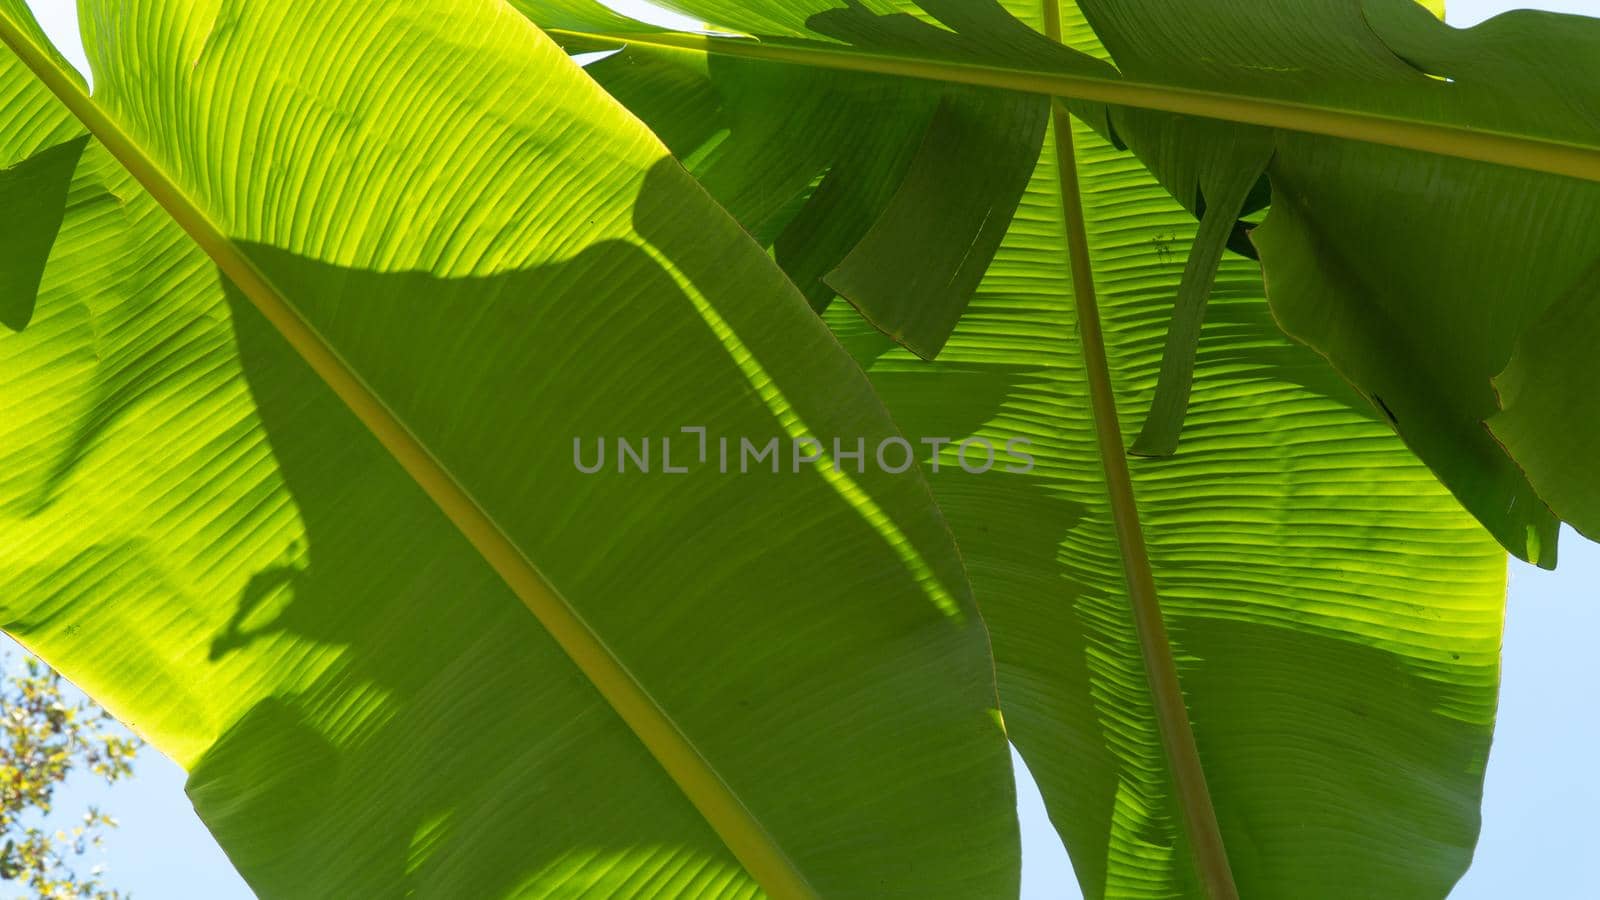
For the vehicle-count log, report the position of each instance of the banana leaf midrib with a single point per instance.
(1581, 161)
(1209, 855)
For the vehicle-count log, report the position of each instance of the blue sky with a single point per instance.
(1542, 790)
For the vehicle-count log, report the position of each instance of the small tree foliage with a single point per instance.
(45, 736)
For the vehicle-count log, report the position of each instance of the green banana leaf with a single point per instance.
(333, 296)
(889, 192)
(1416, 275)
(1394, 145)
(1334, 613)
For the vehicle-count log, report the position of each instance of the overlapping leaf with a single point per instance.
(914, 182)
(1415, 274)
(1335, 615)
(1425, 341)
(196, 528)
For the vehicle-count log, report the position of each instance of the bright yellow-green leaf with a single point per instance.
(287, 480)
